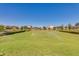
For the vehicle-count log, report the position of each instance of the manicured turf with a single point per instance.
(41, 43)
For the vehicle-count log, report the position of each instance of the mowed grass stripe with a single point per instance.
(71, 43)
(35, 43)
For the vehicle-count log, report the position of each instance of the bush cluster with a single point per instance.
(10, 32)
(73, 32)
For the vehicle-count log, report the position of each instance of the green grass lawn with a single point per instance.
(40, 43)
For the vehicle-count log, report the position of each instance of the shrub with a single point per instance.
(1, 27)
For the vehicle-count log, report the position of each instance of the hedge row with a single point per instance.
(73, 32)
(9, 33)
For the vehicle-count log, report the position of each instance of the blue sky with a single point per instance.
(38, 14)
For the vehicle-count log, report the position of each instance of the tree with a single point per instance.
(62, 27)
(22, 28)
(36, 28)
(15, 28)
(66, 27)
(54, 28)
(1, 27)
(77, 24)
(45, 28)
(8, 27)
(25, 27)
(69, 27)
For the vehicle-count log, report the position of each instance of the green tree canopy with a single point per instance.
(1, 27)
